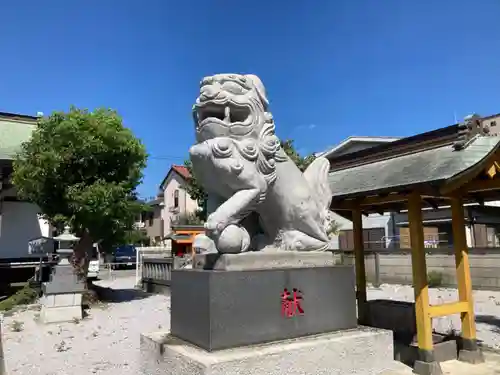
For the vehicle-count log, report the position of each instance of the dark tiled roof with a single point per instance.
(425, 166)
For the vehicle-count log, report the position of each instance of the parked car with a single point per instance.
(124, 256)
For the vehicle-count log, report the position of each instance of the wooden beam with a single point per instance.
(359, 258)
(481, 185)
(478, 199)
(351, 204)
(448, 309)
(463, 268)
(432, 203)
(419, 268)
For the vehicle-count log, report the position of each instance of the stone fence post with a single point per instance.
(2, 359)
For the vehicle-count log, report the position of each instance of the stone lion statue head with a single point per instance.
(235, 106)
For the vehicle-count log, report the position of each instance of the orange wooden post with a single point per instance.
(426, 364)
(470, 352)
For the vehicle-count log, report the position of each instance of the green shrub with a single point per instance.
(23, 296)
(434, 279)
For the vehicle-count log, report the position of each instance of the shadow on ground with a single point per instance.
(109, 295)
(491, 320)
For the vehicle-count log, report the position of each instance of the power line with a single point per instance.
(168, 157)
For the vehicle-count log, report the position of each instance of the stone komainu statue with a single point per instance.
(257, 197)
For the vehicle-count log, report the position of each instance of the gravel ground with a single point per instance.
(107, 341)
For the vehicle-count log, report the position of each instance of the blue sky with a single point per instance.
(332, 68)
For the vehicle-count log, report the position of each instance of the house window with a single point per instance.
(176, 198)
(493, 123)
(151, 217)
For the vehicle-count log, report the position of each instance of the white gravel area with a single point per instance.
(487, 309)
(107, 341)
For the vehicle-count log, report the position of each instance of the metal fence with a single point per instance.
(157, 270)
(150, 252)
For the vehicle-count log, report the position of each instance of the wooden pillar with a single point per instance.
(470, 351)
(419, 268)
(463, 267)
(359, 257)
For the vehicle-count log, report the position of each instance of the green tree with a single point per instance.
(82, 169)
(196, 192)
(300, 161)
(137, 237)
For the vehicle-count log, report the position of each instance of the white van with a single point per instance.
(94, 263)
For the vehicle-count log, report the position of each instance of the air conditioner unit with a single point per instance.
(174, 209)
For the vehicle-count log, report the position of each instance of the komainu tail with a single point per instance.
(316, 176)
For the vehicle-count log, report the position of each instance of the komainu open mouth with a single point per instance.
(227, 113)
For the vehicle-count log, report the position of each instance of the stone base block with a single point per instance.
(60, 314)
(363, 351)
(470, 352)
(223, 309)
(259, 260)
(427, 368)
(58, 308)
(471, 356)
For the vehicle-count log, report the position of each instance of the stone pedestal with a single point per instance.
(267, 313)
(58, 308)
(62, 296)
(223, 309)
(361, 351)
(271, 259)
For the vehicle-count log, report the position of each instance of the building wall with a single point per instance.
(395, 266)
(186, 204)
(494, 124)
(19, 223)
(372, 221)
(154, 224)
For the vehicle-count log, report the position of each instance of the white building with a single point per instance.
(20, 221)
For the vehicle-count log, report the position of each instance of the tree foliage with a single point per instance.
(82, 169)
(196, 192)
(300, 161)
(138, 237)
(187, 218)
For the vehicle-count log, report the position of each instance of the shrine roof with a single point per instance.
(427, 166)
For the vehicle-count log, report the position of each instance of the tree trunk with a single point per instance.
(81, 256)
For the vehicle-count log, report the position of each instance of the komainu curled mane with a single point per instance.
(258, 198)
